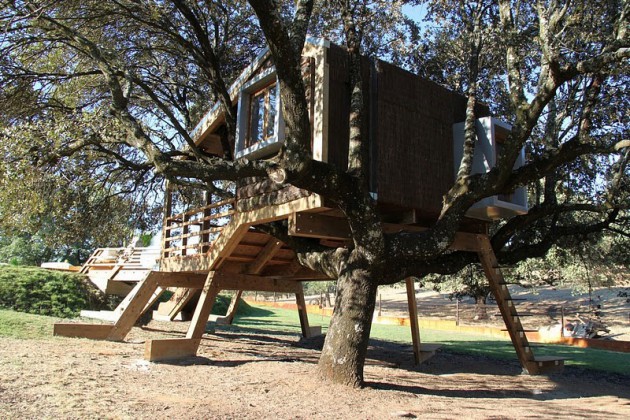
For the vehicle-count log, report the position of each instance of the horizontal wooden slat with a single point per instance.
(201, 209)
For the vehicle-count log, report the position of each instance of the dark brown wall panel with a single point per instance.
(415, 146)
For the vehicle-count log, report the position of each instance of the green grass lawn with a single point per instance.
(22, 325)
(283, 321)
(287, 321)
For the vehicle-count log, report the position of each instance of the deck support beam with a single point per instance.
(413, 318)
(170, 348)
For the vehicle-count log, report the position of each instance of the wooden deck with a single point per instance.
(199, 261)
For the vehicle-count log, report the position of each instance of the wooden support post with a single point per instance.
(231, 312)
(170, 348)
(185, 230)
(143, 294)
(92, 331)
(413, 318)
(205, 225)
(168, 212)
(204, 307)
(301, 305)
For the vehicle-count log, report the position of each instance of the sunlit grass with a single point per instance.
(25, 326)
(287, 321)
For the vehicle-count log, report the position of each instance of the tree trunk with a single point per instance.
(345, 347)
(481, 311)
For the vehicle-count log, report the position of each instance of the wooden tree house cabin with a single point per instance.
(415, 134)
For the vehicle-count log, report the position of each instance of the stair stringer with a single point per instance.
(510, 315)
(223, 246)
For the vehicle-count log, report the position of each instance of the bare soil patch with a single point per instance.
(245, 374)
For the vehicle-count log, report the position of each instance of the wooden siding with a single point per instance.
(338, 106)
(414, 140)
(410, 132)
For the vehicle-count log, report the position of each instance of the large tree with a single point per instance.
(151, 64)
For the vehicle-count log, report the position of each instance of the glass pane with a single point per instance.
(272, 105)
(256, 119)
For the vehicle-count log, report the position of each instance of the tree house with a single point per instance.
(413, 128)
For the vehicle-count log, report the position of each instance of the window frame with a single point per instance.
(269, 144)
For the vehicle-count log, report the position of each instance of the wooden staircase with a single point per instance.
(191, 273)
(532, 364)
(115, 271)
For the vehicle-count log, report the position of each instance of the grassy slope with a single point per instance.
(22, 325)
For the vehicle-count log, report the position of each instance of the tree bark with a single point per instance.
(481, 312)
(345, 347)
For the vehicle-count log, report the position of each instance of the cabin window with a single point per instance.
(260, 128)
(263, 107)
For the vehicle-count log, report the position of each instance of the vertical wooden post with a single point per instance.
(413, 318)
(168, 212)
(205, 225)
(185, 230)
(301, 304)
(231, 312)
(204, 307)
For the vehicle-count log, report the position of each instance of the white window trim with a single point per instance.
(271, 145)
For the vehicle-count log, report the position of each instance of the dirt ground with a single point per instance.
(245, 375)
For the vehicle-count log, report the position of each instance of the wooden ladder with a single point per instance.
(532, 364)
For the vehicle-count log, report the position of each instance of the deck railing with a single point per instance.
(129, 257)
(193, 231)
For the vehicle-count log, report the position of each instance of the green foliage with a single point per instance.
(24, 250)
(45, 292)
(223, 302)
(317, 287)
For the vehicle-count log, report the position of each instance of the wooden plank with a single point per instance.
(293, 271)
(285, 195)
(187, 280)
(413, 318)
(170, 348)
(204, 307)
(255, 283)
(79, 330)
(313, 225)
(301, 306)
(267, 253)
(142, 295)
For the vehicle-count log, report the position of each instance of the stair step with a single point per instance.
(546, 364)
